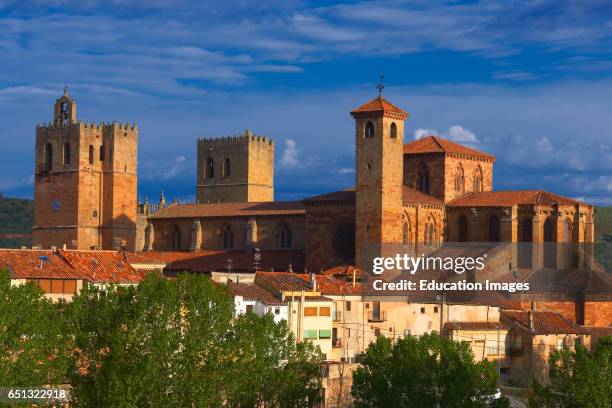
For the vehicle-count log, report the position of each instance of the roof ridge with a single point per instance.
(435, 139)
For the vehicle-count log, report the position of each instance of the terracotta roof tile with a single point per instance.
(230, 209)
(207, 261)
(253, 292)
(102, 266)
(327, 285)
(92, 266)
(27, 264)
(436, 144)
(475, 326)
(509, 198)
(380, 105)
(544, 322)
(409, 196)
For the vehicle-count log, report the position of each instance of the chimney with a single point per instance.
(354, 277)
(313, 281)
(64, 247)
(530, 320)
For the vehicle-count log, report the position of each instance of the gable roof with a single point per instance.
(544, 322)
(91, 266)
(379, 105)
(436, 144)
(230, 209)
(509, 198)
(211, 260)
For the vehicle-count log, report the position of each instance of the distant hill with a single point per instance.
(16, 218)
(17, 215)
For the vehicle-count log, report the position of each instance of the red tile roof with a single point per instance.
(509, 198)
(475, 326)
(380, 105)
(409, 196)
(436, 144)
(158, 257)
(207, 261)
(27, 264)
(344, 271)
(102, 266)
(327, 285)
(253, 292)
(230, 209)
(544, 322)
(91, 266)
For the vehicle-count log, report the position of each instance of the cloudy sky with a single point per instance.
(529, 81)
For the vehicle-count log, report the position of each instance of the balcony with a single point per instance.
(377, 317)
(336, 343)
(337, 316)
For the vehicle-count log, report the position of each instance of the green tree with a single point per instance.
(33, 342)
(426, 371)
(266, 365)
(577, 379)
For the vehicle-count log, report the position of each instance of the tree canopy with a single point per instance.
(425, 371)
(578, 378)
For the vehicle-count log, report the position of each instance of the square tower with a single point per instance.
(379, 141)
(235, 169)
(85, 182)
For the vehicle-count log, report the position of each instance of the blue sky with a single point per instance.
(529, 81)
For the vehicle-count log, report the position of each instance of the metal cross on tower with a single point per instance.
(380, 85)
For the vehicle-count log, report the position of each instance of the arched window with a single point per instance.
(226, 167)
(422, 178)
(228, 238)
(459, 179)
(478, 180)
(526, 246)
(66, 153)
(406, 233)
(285, 237)
(102, 153)
(393, 131)
(209, 171)
(48, 156)
(369, 129)
(91, 154)
(494, 228)
(463, 229)
(176, 238)
(549, 245)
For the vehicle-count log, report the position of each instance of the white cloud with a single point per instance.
(457, 133)
(346, 170)
(290, 155)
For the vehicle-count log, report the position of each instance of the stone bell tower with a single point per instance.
(84, 182)
(379, 139)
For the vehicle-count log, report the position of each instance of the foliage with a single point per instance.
(175, 344)
(33, 342)
(577, 379)
(426, 371)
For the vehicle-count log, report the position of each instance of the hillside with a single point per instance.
(16, 217)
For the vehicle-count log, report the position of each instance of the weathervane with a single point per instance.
(380, 85)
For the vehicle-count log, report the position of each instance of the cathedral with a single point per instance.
(407, 194)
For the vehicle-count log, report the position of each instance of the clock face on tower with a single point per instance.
(56, 205)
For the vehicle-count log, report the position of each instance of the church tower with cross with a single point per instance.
(84, 182)
(379, 146)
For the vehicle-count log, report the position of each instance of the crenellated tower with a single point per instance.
(379, 142)
(235, 169)
(85, 182)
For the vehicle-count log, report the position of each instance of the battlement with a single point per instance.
(247, 137)
(86, 124)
